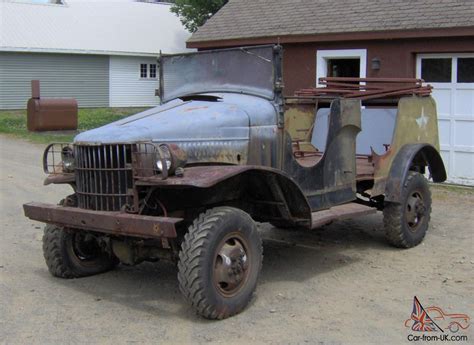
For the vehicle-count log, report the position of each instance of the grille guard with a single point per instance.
(52, 159)
(104, 175)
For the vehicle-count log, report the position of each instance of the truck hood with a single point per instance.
(210, 127)
(175, 121)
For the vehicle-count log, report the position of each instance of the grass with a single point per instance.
(13, 122)
(442, 191)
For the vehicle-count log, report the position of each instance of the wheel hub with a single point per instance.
(231, 266)
(415, 210)
(85, 247)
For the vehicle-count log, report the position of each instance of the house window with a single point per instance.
(341, 63)
(143, 70)
(153, 70)
(148, 71)
(348, 68)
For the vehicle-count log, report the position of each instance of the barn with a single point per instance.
(104, 54)
(433, 40)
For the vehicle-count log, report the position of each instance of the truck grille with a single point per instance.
(103, 176)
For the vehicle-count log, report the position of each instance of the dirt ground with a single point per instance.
(341, 284)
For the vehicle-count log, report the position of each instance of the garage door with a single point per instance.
(452, 76)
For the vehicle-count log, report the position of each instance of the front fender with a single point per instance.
(199, 176)
(408, 157)
(261, 185)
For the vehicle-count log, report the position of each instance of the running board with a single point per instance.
(339, 212)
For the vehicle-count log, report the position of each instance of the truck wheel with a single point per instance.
(219, 262)
(406, 222)
(70, 254)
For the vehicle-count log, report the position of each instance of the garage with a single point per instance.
(452, 76)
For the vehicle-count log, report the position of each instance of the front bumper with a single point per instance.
(114, 223)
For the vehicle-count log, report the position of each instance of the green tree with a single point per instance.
(194, 13)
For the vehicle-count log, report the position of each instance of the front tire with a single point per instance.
(69, 254)
(219, 262)
(406, 222)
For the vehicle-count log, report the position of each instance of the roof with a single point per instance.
(114, 27)
(243, 19)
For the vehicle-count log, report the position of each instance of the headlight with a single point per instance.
(171, 156)
(67, 157)
(58, 158)
(159, 165)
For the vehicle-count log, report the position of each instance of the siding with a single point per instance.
(397, 57)
(126, 87)
(83, 77)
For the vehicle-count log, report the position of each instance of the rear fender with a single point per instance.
(413, 157)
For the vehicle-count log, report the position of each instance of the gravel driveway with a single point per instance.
(341, 284)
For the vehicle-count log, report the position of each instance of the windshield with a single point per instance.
(248, 70)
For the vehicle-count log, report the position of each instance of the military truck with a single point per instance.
(188, 180)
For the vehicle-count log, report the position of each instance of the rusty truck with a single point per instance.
(187, 180)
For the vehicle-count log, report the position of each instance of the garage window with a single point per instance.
(465, 70)
(436, 70)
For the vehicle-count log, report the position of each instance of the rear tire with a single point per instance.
(406, 222)
(69, 255)
(219, 262)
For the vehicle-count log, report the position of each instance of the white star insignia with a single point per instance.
(422, 121)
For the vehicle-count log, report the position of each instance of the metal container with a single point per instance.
(50, 114)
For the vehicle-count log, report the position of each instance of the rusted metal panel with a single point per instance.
(332, 180)
(416, 123)
(265, 146)
(339, 212)
(115, 223)
(203, 176)
(299, 122)
(49, 114)
(409, 154)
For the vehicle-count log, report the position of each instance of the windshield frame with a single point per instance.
(277, 52)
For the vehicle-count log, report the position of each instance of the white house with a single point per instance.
(103, 53)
